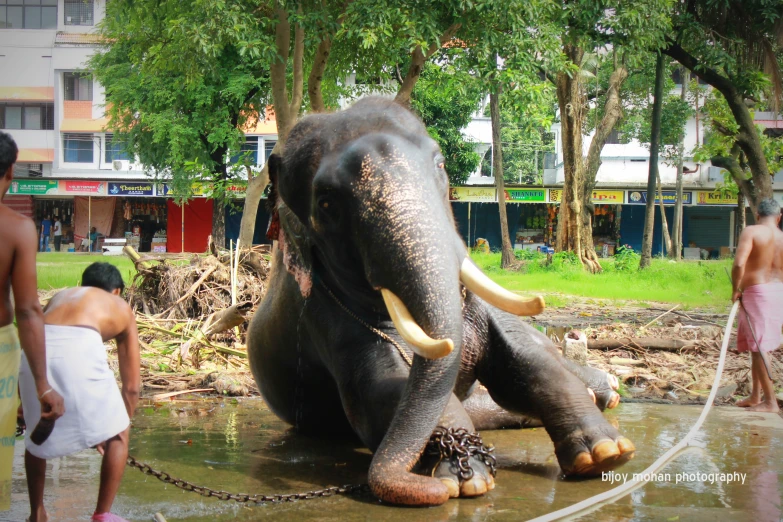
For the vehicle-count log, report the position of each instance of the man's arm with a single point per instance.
(744, 247)
(130, 361)
(29, 318)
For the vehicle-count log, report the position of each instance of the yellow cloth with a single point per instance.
(10, 354)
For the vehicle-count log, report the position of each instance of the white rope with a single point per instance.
(620, 491)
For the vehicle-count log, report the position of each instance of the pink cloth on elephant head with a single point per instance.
(764, 305)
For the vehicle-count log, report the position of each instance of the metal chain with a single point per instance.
(376, 331)
(458, 445)
(364, 323)
(348, 489)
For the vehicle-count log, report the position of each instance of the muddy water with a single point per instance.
(242, 447)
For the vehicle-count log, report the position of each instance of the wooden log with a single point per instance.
(135, 257)
(228, 318)
(622, 361)
(650, 343)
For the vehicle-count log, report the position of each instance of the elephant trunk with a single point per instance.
(413, 256)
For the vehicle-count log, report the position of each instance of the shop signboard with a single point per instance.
(33, 187)
(196, 190)
(639, 197)
(237, 190)
(600, 197)
(525, 195)
(473, 194)
(83, 188)
(130, 188)
(714, 198)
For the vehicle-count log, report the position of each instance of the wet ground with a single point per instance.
(242, 447)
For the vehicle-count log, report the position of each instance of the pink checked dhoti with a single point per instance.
(764, 305)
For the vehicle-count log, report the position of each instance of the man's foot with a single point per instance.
(42, 517)
(765, 407)
(107, 517)
(748, 401)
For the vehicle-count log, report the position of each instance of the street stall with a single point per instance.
(532, 223)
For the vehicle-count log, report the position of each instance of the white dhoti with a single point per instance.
(78, 369)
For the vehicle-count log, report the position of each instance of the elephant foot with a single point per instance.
(481, 481)
(593, 448)
(602, 387)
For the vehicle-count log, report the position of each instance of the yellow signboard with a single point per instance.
(600, 197)
(714, 198)
(473, 194)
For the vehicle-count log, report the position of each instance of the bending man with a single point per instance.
(78, 322)
(757, 279)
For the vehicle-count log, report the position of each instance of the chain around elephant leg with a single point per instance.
(458, 446)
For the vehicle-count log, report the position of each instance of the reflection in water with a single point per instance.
(242, 447)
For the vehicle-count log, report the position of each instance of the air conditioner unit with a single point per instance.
(120, 164)
(715, 174)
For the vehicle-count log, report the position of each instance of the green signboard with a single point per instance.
(526, 195)
(33, 187)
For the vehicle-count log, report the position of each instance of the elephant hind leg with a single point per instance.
(525, 375)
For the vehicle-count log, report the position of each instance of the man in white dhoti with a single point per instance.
(78, 321)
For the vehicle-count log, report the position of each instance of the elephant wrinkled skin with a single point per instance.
(361, 200)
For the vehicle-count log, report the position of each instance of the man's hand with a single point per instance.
(52, 405)
(736, 295)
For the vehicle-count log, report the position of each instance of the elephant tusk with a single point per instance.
(421, 343)
(477, 282)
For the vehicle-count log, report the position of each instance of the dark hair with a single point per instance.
(8, 152)
(769, 207)
(103, 275)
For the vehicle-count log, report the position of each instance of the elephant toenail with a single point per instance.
(474, 487)
(452, 486)
(614, 401)
(613, 382)
(582, 463)
(592, 394)
(625, 445)
(605, 450)
(490, 483)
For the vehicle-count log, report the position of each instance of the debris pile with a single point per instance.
(192, 314)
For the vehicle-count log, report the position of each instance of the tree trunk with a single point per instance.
(219, 223)
(572, 230)
(255, 190)
(747, 138)
(664, 223)
(418, 57)
(741, 220)
(649, 215)
(613, 111)
(676, 251)
(507, 257)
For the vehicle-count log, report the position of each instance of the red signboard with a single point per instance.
(97, 188)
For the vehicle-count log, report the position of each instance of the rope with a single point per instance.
(594, 502)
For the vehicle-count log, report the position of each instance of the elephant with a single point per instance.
(376, 322)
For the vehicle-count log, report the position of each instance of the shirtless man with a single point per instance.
(19, 240)
(757, 280)
(78, 322)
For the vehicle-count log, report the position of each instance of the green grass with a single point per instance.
(59, 270)
(693, 284)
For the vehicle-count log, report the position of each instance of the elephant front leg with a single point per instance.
(524, 375)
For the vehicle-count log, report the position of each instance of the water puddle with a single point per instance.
(240, 446)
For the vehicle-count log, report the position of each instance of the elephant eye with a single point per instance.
(440, 161)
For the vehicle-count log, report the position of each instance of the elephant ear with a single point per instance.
(288, 229)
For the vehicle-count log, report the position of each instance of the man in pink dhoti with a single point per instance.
(757, 280)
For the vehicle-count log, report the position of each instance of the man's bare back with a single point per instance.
(760, 249)
(91, 307)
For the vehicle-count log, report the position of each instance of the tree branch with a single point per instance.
(278, 67)
(298, 87)
(417, 64)
(317, 74)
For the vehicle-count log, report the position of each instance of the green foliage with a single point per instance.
(529, 255)
(445, 109)
(626, 259)
(181, 79)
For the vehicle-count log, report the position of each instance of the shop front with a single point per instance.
(532, 228)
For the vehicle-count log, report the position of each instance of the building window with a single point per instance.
(115, 150)
(77, 86)
(77, 148)
(28, 14)
(79, 12)
(248, 152)
(32, 116)
(268, 146)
